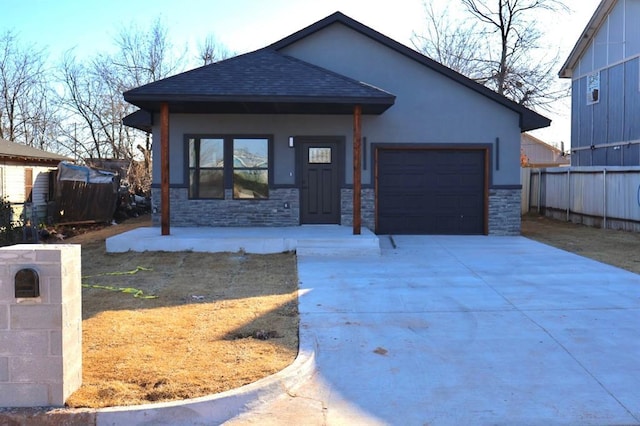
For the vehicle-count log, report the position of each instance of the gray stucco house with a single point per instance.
(334, 124)
(604, 68)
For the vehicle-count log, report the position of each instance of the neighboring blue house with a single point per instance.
(604, 67)
(334, 124)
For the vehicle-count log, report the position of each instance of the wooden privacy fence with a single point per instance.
(607, 197)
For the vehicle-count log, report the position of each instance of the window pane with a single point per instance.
(250, 184)
(251, 153)
(211, 153)
(192, 153)
(320, 155)
(193, 184)
(211, 184)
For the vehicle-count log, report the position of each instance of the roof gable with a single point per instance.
(529, 119)
(594, 24)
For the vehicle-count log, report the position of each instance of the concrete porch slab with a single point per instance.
(306, 240)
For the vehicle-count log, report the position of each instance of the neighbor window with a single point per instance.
(593, 88)
(227, 162)
(250, 168)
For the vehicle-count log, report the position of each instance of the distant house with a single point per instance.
(25, 175)
(537, 153)
(334, 124)
(604, 67)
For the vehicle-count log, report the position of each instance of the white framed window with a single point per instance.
(593, 88)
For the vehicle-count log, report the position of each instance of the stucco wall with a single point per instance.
(429, 108)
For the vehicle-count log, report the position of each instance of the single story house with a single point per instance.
(604, 68)
(334, 124)
(25, 176)
(538, 153)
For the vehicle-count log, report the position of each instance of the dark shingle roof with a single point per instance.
(140, 119)
(261, 81)
(17, 151)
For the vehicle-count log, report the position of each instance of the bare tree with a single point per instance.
(93, 95)
(27, 112)
(498, 45)
(144, 56)
(452, 43)
(94, 111)
(211, 51)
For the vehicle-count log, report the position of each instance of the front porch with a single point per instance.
(304, 240)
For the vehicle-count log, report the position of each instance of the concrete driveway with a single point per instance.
(465, 330)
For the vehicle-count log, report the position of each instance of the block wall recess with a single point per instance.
(40, 337)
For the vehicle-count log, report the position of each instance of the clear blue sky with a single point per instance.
(241, 25)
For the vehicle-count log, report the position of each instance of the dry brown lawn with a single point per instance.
(615, 247)
(161, 326)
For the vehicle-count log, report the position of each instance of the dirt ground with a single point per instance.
(618, 248)
(161, 326)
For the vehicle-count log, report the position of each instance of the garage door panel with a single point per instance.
(427, 191)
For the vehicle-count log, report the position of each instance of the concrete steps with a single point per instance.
(346, 246)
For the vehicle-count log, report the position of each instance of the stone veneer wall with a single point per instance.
(504, 211)
(40, 337)
(230, 212)
(367, 207)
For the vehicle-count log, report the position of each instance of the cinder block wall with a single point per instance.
(40, 337)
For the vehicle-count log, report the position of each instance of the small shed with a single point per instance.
(85, 195)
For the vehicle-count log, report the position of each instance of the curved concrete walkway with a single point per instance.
(465, 330)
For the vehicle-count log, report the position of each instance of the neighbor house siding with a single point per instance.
(612, 120)
(14, 183)
(601, 131)
(14, 187)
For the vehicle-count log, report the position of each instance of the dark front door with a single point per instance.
(320, 161)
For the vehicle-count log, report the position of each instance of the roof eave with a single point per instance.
(38, 160)
(262, 105)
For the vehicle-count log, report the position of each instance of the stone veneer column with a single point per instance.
(40, 337)
(504, 211)
(367, 207)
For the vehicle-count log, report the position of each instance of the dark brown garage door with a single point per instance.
(430, 191)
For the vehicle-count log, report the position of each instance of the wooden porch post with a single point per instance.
(164, 168)
(357, 167)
